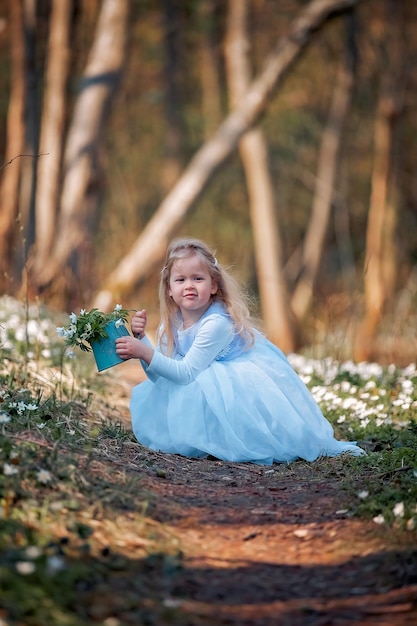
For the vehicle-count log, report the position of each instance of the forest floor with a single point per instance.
(253, 545)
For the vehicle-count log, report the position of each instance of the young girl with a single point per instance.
(215, 384)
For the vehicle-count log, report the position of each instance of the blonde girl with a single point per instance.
(215, 385)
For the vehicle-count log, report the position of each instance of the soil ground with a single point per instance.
(268, 546)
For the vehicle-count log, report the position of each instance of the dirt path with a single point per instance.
(269, 546)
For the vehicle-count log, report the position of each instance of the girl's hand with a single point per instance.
(138, 324)
(128, 347)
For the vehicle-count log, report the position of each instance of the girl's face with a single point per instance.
(191, 287)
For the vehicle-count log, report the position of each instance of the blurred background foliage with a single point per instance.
(134, 151)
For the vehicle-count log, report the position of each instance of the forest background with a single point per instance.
(282, 133)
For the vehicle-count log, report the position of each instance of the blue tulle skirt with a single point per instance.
(251, 408)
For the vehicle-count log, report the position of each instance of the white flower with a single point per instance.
(118, 307)
(43, 476)
(60, 331)
(21, 407)
(379, 519)
(363, 494)
(118, 323)
(55, 564)
(9, 470)
(33, 552)
(73, 318)
(398, 509)
(25, 567)
(4, 417)
(83, 311)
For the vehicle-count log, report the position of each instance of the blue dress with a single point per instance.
(214, 396)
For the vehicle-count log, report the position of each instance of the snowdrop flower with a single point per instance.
(33, 552)
(25, 567)
(398, 509)
(55, 564)
(9, 470)
(363, 494)
(379, 519)
(60, 331)
(407, 386)
(118, 307)
(73, 318)
(43, 476)
(83, 311)
(4, 417)
(118, 323)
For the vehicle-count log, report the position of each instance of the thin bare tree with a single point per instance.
(52, 130)
(380, 255)
(27, 183)
(149, 248)
(79, 195)
(211, 101)
(15, 141)
(314, 241)
(171, 167)
(253, 152)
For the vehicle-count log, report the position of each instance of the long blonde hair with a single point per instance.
(228, 292)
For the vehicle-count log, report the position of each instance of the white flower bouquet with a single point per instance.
(90, 326)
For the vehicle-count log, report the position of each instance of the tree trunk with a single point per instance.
(28, 172)
(322, 203)
(211, 109)
(149, 249)
(52, 130)
(380, 257)
(254, 154)
(15, 138)
(172, 71)
(79, 190)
